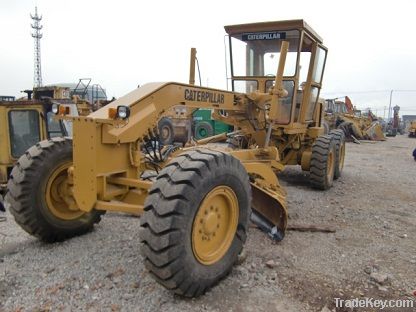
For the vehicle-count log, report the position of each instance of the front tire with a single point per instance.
(195, 221)
(39, 198)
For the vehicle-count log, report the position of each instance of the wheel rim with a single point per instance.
(202, 132)
(341, 156)
(331, 165)
(215, 225)
(58, 197)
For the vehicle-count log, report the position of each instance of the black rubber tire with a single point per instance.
(27, 187)
(339, 139)
(203, 125)
(165, 125)
(320, 167)
(1, 204)
(346, 128)
(169, 212)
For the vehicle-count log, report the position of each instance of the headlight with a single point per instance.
(123, 112)
(55, 109)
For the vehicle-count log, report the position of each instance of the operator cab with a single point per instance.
(254, 51)
(30, 122)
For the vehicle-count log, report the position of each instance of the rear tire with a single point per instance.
(323, 162)
(40, 212)
(203, 129)
(176, 215)
(339, 139)
(166, 131)
(346, 128)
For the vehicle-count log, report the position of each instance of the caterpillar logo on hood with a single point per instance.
(204, 96)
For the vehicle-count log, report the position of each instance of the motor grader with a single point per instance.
(24, 122)
(195, 202)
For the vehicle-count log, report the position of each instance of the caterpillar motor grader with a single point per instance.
(195, 202)
(24, 122)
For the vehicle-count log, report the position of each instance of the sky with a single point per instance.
(125, 43)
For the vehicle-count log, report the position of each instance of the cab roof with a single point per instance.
(271, 26)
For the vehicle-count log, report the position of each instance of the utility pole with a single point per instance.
(389, 115)
(37, 35)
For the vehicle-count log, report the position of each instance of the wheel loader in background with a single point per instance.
(344, 116)
(196, 201)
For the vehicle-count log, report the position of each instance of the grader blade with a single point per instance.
(269, 211)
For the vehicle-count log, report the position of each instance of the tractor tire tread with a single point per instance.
(319, 158)
(23, 178)
(339, 137)
(166, 213)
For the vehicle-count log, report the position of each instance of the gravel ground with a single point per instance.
(371, 254)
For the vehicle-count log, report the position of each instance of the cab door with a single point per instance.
(25, 128)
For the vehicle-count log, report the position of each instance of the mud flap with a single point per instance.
(269, 210)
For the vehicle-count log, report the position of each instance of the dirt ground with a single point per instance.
(372, 253)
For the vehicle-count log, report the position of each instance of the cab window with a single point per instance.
(257, 54)
(24, 130)
(286, 102)
(245, 86)
(54, 126)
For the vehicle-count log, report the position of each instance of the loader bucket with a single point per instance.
(375, 132)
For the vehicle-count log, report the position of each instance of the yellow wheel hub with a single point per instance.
(215, 225)
(58, 195)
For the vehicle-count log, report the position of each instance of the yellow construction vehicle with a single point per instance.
(195, 201)
(355, 125)
(25, 122)
(412, 129)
